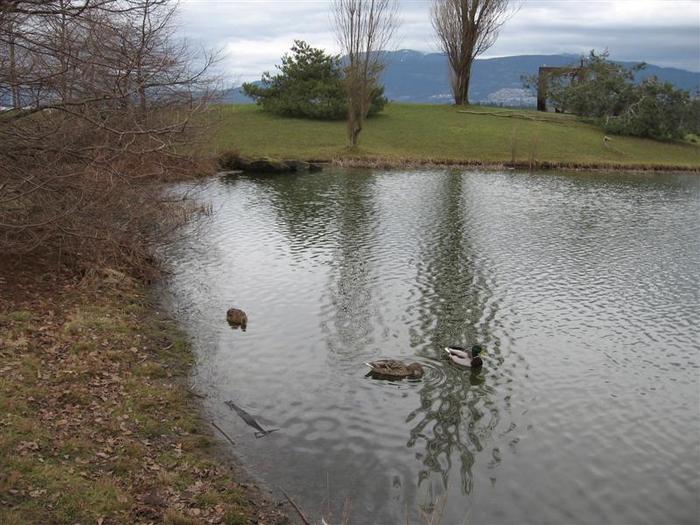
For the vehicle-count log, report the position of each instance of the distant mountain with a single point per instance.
(412, 76)
(235, 96)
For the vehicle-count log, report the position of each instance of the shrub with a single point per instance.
(229, 160)
(606, 92)
(309, 85)
(603, 88)
(657, 110)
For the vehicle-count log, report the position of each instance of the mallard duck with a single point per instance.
(236, 318)
(393, 369)
(460, 356)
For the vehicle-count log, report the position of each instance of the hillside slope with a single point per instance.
(445, 134)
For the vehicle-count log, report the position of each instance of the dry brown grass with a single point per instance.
(96, 421)
(533, 163)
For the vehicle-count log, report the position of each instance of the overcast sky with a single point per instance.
(253, 34)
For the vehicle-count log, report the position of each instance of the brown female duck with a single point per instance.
(393, 369)
(236, 318)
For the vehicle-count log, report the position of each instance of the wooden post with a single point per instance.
(14, 87)
(542, 90)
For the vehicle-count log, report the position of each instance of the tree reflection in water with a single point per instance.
(353, 286)
(338, 222)
(330, 221)
(456, 416)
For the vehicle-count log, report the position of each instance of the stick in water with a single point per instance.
(217, 427)
(296, 507)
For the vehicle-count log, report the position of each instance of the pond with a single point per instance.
(582, 287)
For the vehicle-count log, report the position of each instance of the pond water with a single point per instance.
(583, 288)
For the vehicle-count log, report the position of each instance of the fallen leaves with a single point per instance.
(26, 447)
(91, 387)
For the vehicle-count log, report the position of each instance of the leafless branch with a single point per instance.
(364, 29)
(465, 29)
(104, 98)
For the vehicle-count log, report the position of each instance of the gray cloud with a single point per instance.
(253, 34)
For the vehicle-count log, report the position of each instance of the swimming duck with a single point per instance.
(393, 369)
(236, 318)
(460, 356)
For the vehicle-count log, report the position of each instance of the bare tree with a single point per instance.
(364, 29)
(108, 97)
(11, 60)
(465, 29)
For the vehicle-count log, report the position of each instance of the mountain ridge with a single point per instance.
(416, 77)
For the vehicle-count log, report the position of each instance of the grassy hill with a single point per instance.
(410, 133)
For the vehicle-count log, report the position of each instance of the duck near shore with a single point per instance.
(393, 369)
(237, 318)
(460, 356)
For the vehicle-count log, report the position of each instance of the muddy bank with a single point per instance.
(390, 163)
(233, 163)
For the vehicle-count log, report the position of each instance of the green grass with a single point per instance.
(410, 133)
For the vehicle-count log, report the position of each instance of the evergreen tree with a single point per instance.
(309, 84)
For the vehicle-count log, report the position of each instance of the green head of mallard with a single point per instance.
(476, 350)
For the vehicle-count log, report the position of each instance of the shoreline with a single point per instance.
(270, 165)
(224, 447)
(99, 424)
(387, 163)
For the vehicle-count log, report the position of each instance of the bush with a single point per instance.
(606, 92)
(309, 85)
(93, 135)
(657, 110)
(601, 89)
(229, 160)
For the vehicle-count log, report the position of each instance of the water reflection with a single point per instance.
(352, 308)
(566, 280)
(333, 226)
(456, 416)
(448, 301)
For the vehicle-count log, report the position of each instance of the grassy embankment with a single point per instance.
(97, 425)
(424, 134)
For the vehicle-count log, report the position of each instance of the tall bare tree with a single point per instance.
(465, 29)
(104, 96)
(364, 29)
(11, 60)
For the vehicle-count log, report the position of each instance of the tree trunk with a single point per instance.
(14, 88)
(354, 129)
(355, 115)
(461, 86)
(355, 137)
(64, 54)
(142, 99)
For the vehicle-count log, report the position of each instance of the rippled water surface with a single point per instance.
(584, 289)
